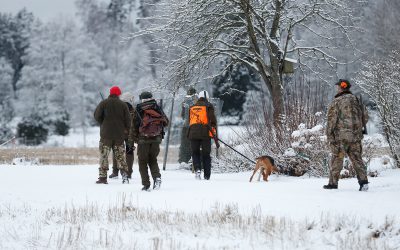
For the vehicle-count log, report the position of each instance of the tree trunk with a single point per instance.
(270, 74)
(277, 99)
(145, 10)
(16, 77)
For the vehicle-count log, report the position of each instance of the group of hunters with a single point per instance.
(122, 125)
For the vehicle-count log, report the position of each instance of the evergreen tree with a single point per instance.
(232, 86)
(6, 108)
(14, 41)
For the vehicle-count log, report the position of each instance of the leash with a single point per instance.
(236, 151)
(216, 139)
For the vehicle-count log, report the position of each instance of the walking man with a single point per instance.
(126, 97)
(113, 116)
(185, 153)
(147, 131)
(346, 120)
(202, 127)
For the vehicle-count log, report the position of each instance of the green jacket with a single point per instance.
(114, 118)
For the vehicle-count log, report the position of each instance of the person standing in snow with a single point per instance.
(185, 153)
(114, 118)
(346, 120)
(147, 131)
(202, 127)
(128, 98)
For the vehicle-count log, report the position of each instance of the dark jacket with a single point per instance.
(114, 118)
(134, 135)
(200, 131)
(131, 112)
(189, 101)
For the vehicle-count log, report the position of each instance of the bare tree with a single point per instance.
(258, 33)
(145, 11)
(380, 79)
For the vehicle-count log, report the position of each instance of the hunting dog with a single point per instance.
(266, 165)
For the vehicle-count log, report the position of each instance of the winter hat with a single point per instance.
(115, 90)
(191, 91)
(145, 95)
(344, 84)
(127, 97)
(203, 94)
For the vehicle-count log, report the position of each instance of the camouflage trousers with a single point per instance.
(354, 151)
(119, 151)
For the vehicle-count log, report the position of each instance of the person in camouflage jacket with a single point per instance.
(345, 122)
(128, 98)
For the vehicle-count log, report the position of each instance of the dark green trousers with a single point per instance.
(185, 152)
(147, 158)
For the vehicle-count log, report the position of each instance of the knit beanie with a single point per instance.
(115, 90)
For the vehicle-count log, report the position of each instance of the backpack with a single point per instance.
(152, 123)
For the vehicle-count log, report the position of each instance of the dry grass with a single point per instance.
(126, 226)
(67, 156)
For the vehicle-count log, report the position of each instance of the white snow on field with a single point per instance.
(38, 201)
(76, 139)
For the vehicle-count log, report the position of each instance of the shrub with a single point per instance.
(32, 131)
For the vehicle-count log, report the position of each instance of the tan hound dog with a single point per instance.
(266, 166)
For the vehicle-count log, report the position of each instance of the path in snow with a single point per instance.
(42, 187)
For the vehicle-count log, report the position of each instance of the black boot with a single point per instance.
(146, 188)
(113, 175)
(330, 186)
(363, 185)
(102, 180)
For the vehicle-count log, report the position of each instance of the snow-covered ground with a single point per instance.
(61, 207)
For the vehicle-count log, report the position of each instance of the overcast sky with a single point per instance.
(43, 9)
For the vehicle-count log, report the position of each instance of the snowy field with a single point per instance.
(61, 207)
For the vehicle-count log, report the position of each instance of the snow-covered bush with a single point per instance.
(23, 161)
(32, 131)
(61, 125)
(308, 145)
(230, 162)
(380, 80)
(297, 146)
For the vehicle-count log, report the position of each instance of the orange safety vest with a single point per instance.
(198, 115)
